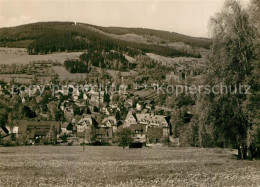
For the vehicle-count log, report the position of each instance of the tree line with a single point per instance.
(109, 60)
(231, 119)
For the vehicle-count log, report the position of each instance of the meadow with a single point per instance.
(115, 166)
(20, 56)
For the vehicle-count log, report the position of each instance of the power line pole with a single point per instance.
(84, 139)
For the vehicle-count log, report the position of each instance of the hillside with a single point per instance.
(46, 37)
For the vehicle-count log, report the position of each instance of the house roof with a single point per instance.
(24, 125)
(150, 117)
(64, 124)
(77, 118)
(94, 103)
(85, 117)
(148, 101)
(129, 114)
(4, 129)
(111, 119)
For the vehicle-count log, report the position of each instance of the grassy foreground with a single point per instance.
(113, 166)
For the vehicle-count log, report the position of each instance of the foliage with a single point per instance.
(101, 59)
(234, 52)
(51, 137)
(28, 113)
(124, 137)
(3, 114)
(60, 36)
(60, 41)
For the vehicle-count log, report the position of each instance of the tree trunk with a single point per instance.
(242, 151)
(239, 152)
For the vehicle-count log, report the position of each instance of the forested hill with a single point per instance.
(46, 37)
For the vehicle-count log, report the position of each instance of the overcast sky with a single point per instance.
(188, 17)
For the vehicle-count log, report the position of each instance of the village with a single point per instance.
(49, 105)
(93, 117)
(129, 93)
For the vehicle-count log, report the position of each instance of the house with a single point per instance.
(96, 96)
(152, 120)
(139, 106)
(85, 97)
(106, 129)
(130, 119)
(68, 112)
(154, 134)
(38, 130)
(86, 119)
(129, 103)
(85, 127)
(113, 105)
(152, 128)
(52, 107)
(138, 132)
(76, 95)
(12, 129)
(66, 128)
(3, 131)
(109, 122)
(149, 104)
(104, 135)
(105, 110)
(94, 106)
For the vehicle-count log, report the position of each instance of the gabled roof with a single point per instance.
(148, 101)
(85, 117)
(76, 118)
(64, 124)
(111, 119)
(5, 130)
(150, 117)
(94, 103)
(129, 114)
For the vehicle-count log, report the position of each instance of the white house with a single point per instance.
(130, 119)
(13, 129)
(138, 107)
(65, 129)
(109, 122)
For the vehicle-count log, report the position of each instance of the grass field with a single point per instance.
(65, 75)
(18, 78)
(113, 166)
(20, 56)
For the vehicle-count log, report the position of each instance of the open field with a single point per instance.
(113, 166)
(20, 56)
(18, 78)
(178, 61)
(65, 75)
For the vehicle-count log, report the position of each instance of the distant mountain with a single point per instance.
(46, 37)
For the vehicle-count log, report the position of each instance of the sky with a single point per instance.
(188, 17)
